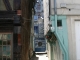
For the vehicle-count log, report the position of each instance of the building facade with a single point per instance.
(10, 30)
(39, 39)
(64, 17)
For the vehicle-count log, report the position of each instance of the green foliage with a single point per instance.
(50, 36)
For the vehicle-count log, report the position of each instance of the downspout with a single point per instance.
(49, 8)
(56, 33)
(51, 44)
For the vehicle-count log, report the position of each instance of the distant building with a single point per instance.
(39, 39)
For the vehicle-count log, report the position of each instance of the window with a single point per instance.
(5, 46)
(35, 18)
(36, 29)
(59, 23)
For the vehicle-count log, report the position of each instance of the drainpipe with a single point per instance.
(56, 33)
(51, 44)
(49, 8)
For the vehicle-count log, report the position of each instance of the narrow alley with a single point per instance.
(39, 30)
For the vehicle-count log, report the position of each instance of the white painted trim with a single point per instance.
(71, 35)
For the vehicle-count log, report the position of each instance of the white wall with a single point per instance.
(77, 36)
(73, 5)
(71, 36)
(72, 11)
(46, 15)
(57, 53)
(48, 51)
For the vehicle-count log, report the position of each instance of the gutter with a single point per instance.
(65, 52)
(51, 44)
(49, 8)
